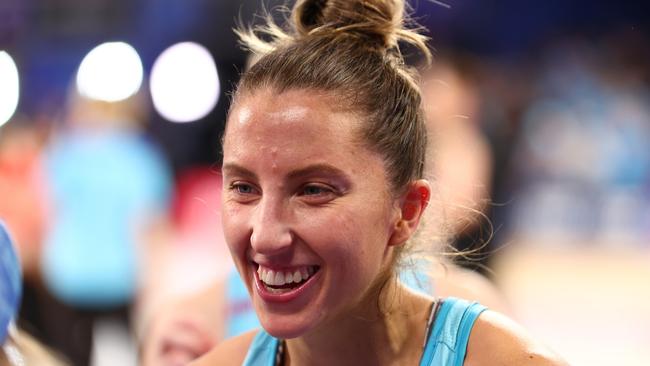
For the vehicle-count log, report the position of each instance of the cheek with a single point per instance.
(233, 220)
(345, 244)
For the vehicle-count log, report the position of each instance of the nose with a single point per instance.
(271, 233)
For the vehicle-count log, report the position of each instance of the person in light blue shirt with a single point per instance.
(108, 190)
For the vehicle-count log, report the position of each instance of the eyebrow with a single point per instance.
(317, 169)
(238, 170)
(310, 170)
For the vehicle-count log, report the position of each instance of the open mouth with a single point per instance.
(286, 280)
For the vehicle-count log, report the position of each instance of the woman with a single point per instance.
(323, 188)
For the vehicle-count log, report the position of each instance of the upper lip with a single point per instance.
(282, 267)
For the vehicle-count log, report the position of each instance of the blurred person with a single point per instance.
(323, 188)
(22, 208)
(21, 187)
(459, 157)
(192, 254)
(17, 347)
(193, 259)
(108, 188)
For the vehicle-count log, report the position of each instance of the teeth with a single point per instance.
(280, 278)
(297, 277)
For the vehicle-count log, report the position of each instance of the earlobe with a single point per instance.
(412, 206)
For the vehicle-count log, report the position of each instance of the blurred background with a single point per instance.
(111, 113)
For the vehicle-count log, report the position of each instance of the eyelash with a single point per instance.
(239, 187)
(322, 190)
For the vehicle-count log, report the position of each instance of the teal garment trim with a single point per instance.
(262, 351)
(447, 344)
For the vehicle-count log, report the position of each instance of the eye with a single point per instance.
(315, 190)
(315, 193)
(242, 189)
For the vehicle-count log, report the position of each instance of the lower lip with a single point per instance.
(283, 297)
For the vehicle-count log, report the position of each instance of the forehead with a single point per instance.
(296, 123)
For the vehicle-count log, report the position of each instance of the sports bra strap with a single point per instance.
(263, 350)
(447, 342)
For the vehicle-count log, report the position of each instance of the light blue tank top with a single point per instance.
(446, 343)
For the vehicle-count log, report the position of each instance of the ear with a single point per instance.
(412, 205)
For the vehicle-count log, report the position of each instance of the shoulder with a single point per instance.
(465, 284)
(498, 340)
(231, 351)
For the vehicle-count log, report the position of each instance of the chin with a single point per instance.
(285, 326)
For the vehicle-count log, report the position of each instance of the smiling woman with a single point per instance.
(323, 166)
(299, 188)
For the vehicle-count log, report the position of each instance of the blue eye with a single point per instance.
(317, 194)
(241, 188)
(313, 190)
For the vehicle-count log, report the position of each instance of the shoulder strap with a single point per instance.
(262, 351)
(448, 338)
(470, 314)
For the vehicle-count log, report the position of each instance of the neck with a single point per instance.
(395, 317)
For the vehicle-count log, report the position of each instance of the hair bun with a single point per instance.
(376, 24)
(380, 21)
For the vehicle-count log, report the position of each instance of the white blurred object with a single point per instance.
(9, 87)
(113, 344)
(110, 72)
(184, 83)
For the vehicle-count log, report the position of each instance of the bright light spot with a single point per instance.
(184, 83)
(110, 72)
(9, 87)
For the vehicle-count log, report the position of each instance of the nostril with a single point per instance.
(271, 238)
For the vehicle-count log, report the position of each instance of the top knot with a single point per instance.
(377, 21)
(378, 24)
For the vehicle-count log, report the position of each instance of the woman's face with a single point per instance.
(307, 211)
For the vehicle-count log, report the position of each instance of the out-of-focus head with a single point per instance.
(10, 282)
(88, 113)
(323, 158)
